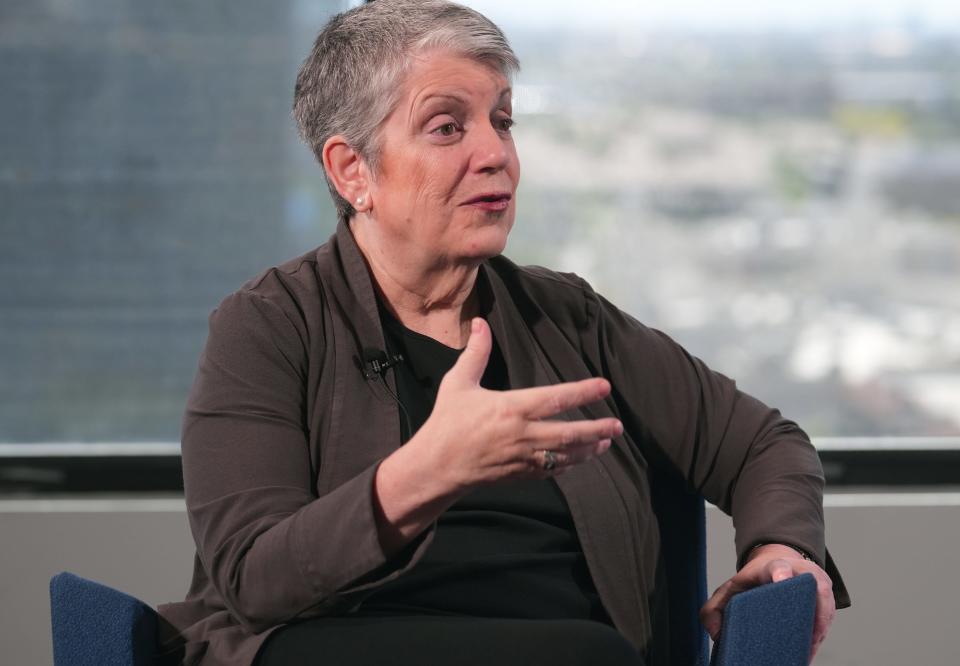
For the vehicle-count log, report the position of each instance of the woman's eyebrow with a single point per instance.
(420, 106)
(455, 97)
(428, 99)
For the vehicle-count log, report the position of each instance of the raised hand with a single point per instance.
(476, 436)
(480, 436)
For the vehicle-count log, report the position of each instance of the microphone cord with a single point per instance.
(405, 421)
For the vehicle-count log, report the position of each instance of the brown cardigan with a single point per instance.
(282, 438)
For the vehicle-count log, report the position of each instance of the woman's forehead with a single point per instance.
(445, 74)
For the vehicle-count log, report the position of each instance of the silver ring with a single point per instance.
(549, 460)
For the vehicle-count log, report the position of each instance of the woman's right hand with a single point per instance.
(476, 436)
(479, 436)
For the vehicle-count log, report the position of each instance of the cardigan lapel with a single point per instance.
(599, 514)
(364, 416)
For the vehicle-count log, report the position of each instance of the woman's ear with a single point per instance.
(347, 171)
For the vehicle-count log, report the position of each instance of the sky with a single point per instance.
(936, 15)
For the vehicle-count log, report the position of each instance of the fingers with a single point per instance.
(773, 570)
(560, 436)
(546, 401)
(569, 457)
(468, 370)
(711, 614)
(826, 611)
(779, 570)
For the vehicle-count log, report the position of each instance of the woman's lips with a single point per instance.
(492, 201)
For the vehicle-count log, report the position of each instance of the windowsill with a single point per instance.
(148, 469)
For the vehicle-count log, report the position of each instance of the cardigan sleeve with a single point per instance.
(272, 549)
(740, 454)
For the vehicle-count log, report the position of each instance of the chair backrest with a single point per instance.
(771, 624)
(94, 625)
(683, 538)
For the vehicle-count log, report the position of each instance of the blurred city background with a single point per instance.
(777, 192)
(783, 202)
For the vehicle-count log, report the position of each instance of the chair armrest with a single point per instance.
(95, 624)
(771, 624)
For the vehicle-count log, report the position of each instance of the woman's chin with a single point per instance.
(487, 242)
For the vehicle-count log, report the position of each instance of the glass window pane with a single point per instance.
(149, 166)
(774, 187)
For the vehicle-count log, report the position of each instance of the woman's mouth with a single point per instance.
(491, 201)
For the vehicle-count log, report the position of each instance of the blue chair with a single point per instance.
(772, 625)
(94, 625)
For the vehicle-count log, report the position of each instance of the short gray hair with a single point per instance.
(351, 80)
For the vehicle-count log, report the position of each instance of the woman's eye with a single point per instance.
(447, 129)
(505, 124)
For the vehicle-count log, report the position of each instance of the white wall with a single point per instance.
(900, 563)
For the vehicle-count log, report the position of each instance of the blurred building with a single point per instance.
(145, 173)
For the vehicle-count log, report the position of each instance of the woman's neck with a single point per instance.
(426, 293)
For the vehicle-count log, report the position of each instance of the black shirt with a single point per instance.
(508, 549)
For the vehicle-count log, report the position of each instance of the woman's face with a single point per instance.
(444, 190)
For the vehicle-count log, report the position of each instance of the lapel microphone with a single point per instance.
(376, 363)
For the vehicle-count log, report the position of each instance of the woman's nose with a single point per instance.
(490, 152)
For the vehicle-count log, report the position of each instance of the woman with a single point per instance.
(362, 491)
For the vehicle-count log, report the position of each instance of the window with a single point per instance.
(149, 167)
(775, 187)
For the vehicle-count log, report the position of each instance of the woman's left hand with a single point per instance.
(767, 564)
